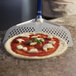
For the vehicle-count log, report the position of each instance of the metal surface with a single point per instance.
(32, 26)
(39, 25)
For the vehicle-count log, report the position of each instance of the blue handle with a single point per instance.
(39, 8)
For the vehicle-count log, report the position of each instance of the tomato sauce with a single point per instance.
(41, 52)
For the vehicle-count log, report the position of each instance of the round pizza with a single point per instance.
(35, 45)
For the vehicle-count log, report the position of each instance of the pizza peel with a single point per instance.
(39, 25)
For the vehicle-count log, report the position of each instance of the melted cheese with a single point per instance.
(19, 47)
(38, 35)
(50, 36)
(33, 43)
(24, 48)
(34, 36)
(52, 42)
(33, 50)
(20, 40)
(23, 35)
(46, 46)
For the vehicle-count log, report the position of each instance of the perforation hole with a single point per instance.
(58, 32)
(19, 30)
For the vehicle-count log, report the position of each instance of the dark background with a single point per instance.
(13, 12)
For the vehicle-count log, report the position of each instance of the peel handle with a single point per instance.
(39, 11)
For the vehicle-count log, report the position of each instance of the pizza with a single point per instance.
(35, 45)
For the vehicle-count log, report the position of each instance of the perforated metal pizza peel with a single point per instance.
(40, 25)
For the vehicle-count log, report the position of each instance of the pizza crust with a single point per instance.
(61, 49)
